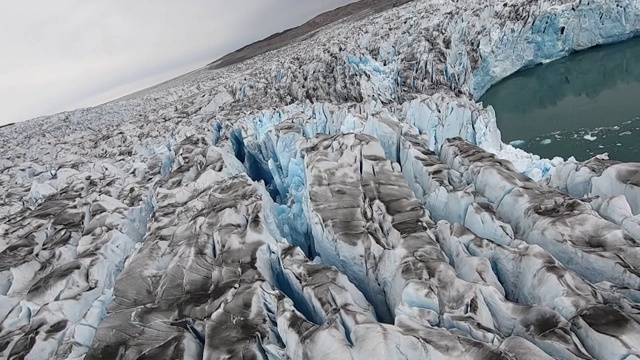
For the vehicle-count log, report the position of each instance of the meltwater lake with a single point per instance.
(585, 104)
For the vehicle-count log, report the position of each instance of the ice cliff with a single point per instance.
(343, 197)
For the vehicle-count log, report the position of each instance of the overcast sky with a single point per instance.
(65, 54)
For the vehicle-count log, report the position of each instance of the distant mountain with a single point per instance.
(355, 10)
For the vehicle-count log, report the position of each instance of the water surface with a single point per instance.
(585, 104)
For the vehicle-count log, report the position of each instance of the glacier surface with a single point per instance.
(342, 197)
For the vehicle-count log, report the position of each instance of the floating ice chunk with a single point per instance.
(545, 142)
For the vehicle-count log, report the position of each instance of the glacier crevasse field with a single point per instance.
(342, 197)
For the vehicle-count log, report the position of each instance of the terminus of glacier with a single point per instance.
(171, 236)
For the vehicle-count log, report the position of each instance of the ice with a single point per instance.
(617, 210)
(556, 31)
(572, 179)
(347, 254)
(600, 177)
(530, 275)
(599, 342)
(382, 79)
(619, 179)
(441, 117)
(534, 212)
(286, 206)
(482, 219)
(468, 267)
(387, 129)
(524, 350)
(221, 98)
(531, 165)
(444, 195)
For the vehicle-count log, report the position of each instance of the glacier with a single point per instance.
(341, 197)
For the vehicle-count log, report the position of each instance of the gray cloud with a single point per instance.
(63, 54)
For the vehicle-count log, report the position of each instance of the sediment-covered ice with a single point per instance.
(341, 197)
(566, 227)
